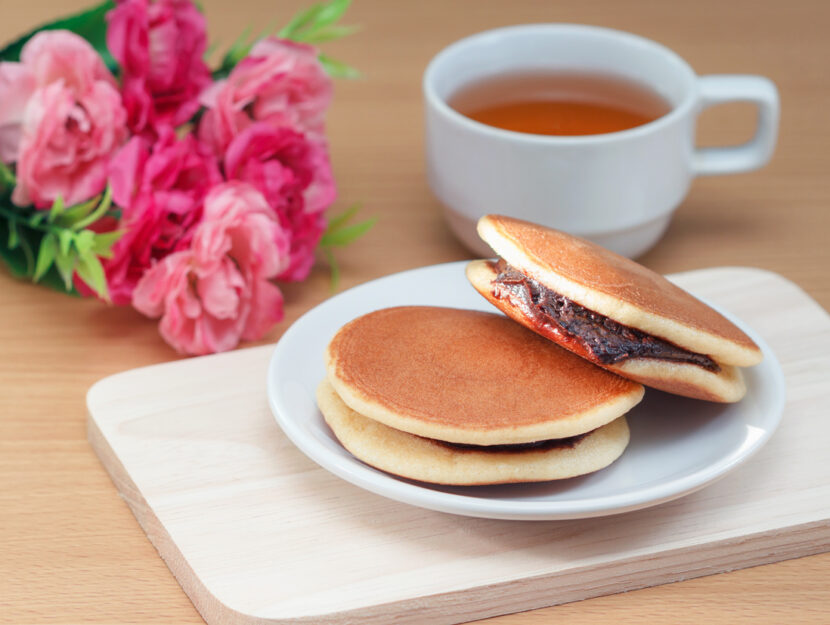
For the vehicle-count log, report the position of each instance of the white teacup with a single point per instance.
(618, 189)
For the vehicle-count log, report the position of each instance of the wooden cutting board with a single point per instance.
(257, 533)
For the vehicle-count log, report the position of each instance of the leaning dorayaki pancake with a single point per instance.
(612, 311)
(433, 461)
(469, 377)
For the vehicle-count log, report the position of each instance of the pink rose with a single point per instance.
(67, 143)
(60, 55)
(218, 291)
(48, 57)
(16, 88)
(237, 217)
(295, 177)
(159, 46)
(281, 83)
(160, 190)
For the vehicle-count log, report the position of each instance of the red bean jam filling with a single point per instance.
(610, 342)
(546, 445)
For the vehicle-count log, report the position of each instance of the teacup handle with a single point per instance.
(755, 153)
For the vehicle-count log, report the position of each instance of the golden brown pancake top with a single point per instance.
(599, 269)
(467, 369)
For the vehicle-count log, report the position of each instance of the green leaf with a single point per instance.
(65, 263)
(90, 24)
(305, 25)
(335, 268)
(45, 256)
(347, 234)
(102, 245)
(91, 271)
(7, 177)
(16, 262)
(318, 26)
(21, 240)
(330, 33)
(84, 241)
(338, 220)
(238, 49)
(54, 280)
(15, 259)
(338, 234)
(331, 12)
(65, 238)
(99, 212)
(315, 25)
(337, 69)
(299, 21)
(28, 256)
(36, 219)
(75, 213)
(57, 208)
(14, 236)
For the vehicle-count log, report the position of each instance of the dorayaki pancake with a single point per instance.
(644, 327)
(617, 287)
(469, 377)
(431, 461)
(725, 384)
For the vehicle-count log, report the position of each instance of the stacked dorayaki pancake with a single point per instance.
(463, 397)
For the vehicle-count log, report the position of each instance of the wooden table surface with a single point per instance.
(71, 551)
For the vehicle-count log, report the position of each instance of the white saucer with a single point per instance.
(677, 445)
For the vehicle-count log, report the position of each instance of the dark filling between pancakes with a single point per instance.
(546, 445)
(608, 341)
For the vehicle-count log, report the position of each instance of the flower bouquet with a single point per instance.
(132, 171)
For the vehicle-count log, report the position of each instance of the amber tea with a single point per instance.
(561, 103)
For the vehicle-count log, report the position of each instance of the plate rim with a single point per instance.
(354, 471)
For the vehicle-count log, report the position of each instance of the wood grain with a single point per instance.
(238, 513)
(72, 551)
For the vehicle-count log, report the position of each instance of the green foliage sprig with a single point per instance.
(316, 25)
(51, 246)
(340, 233)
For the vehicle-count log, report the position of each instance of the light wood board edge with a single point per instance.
(485, 601)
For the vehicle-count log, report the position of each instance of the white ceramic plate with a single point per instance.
(677, 445)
